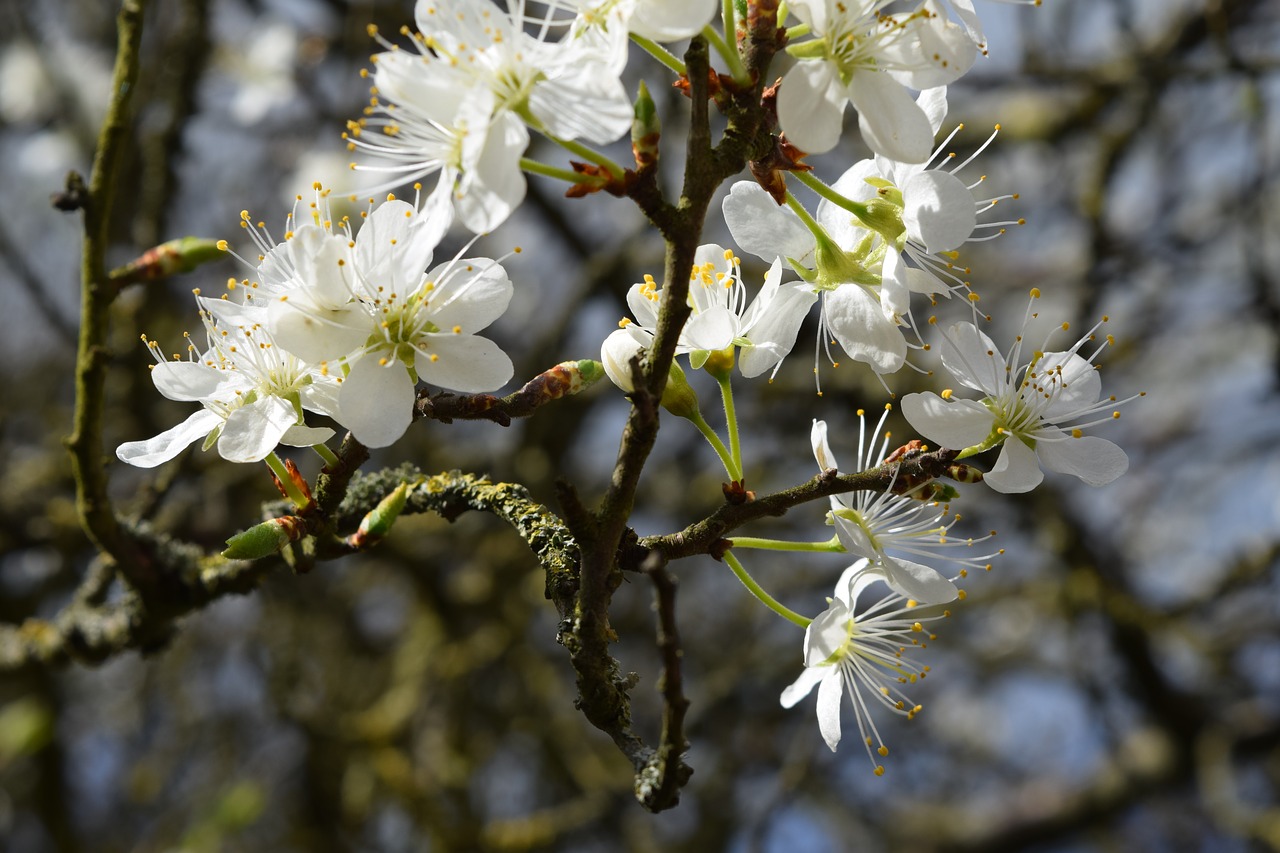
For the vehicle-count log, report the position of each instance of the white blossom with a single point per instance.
(888, 528)
(1037, 410)
(864, 655)
(860, 55)
(252, 393)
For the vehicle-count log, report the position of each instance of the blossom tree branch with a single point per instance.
(97, 516)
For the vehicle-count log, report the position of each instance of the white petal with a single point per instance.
(671, 20)
(168, 444)
(764, 229)
(301, 435)
(854, 538)
(934, 104)
(821, 449)
(376, 402)
(889, 119)
(857, 322)
(469, 294)
(713, 329)
(1094, 460)
(616, 353)
(949, 49)
(918, 581)
(802, 686)
(829, 693)
(1016, 471)
(956, 424)
(464, 363)
(585, 102)
(938, 210)
(811, 106)
(314, 333)
(1078, 385)
(322, 264)
(254, 430)
(187, 381)
(895, 294)
(774, 334)
(394, 247)
(496, 186)
(973, 359)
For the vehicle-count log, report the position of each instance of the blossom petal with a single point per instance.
(956, 424)
(1077, 386)
(857, 322)
(830, 690)
(314, 333)
(809, 678)
(469, 294)
(253, 430)
(934, 104)
(1094, 460)
(496, 186)
(161, 448)
(301, 435)
(821, 448)
(938, 210)
(321, 262)
(376, 401)
(671, 20)
(918, 581)
(187, 381)
(394, 247)
(973, 359)
(888, 117)
(764, 229)
(712, 329)
(774, 334)
(464, 363)
(616, 353)
(811, 107)
(1016, 471)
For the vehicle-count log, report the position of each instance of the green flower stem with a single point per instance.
(809, 221)
(731, 419)
(727, 53)
(535, 167)
(731, 465)
(829, 546)
(997, 436)
(767, 599)
(286, 481)
(813, 183)
(330, 458)
(660, 53)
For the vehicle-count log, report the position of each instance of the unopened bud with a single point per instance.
(377, 523)
(171, 258)
(646, 130)
(265, 539)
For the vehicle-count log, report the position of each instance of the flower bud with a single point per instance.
(265, 539)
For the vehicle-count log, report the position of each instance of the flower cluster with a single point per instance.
(339, 321)
(344, 320)
(461, 104)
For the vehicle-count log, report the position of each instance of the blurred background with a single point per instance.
(1113, 684)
